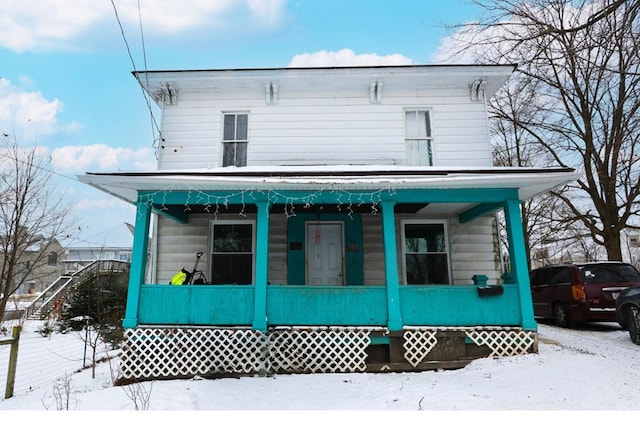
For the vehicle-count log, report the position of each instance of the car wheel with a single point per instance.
(633, 321)
(560, 315)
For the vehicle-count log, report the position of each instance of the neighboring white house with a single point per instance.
(111, 244)
(350, 210)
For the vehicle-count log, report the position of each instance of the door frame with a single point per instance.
(353, 246)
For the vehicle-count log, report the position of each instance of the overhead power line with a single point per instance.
(154, 123)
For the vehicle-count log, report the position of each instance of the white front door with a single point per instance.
(324, 253)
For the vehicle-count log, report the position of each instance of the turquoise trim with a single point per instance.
(296, 250)
(172, 212)
(519, 265)
(138, 263)
(296, 246)
(262, 267)
(161, 199)
(391, 266)
(478, 211)
(379, 340)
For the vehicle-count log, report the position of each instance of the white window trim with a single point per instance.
(222, 139)
(445, 224)
(431, 139)
(214, 222)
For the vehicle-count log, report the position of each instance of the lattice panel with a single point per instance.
(175, 352)
(417, 345)
(183, 352)
(318, 350)
(504, 342)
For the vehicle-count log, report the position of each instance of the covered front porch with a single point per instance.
(391, 304)
(272, 327)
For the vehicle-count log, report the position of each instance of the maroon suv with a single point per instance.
(580, 292)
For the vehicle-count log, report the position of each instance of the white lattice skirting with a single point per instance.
(188, 351)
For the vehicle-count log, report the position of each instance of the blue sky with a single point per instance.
(65, 71)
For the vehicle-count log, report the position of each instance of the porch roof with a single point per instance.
(528, 181)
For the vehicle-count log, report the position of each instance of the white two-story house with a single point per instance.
(346, 216)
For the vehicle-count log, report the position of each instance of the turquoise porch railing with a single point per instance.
(233, 305)
(459, 306)
(196, 305)
(327, 305)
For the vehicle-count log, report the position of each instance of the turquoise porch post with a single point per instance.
(518, 256)
(262, 266)
(394, 321)
(138, 263)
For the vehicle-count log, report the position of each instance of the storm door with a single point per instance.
(325, 253)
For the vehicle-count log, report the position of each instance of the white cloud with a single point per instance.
(100, 157)
(46, 25)
(29, 25)
(268, 12)
(346, 57)
(28, 115)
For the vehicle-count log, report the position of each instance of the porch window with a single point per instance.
(232, 248)
(425, 252)
(235, 139)
(418, 138)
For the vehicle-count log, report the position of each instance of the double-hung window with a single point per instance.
(232, 252)
(235, 139)
(425, 252)
(417, 124)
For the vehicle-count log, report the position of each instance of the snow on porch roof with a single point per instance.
(528, 181)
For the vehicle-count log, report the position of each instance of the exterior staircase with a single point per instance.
(55, 294)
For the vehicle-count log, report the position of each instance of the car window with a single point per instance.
(613, 273)
(538, 276)
(560, 275)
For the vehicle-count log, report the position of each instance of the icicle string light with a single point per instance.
(216, 204)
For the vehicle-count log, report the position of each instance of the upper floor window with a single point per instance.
(425, 252)
(417, 125)
(52, 259)
(235, 139)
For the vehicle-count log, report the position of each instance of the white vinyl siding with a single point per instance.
(343, 128)
(193, 238)
(473, 248)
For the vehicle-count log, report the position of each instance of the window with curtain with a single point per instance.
(235, 139)
(418, 138)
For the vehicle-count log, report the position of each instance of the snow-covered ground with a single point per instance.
(594, 367)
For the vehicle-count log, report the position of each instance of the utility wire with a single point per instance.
(146, 75)
(144, 93)
(44, 169)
